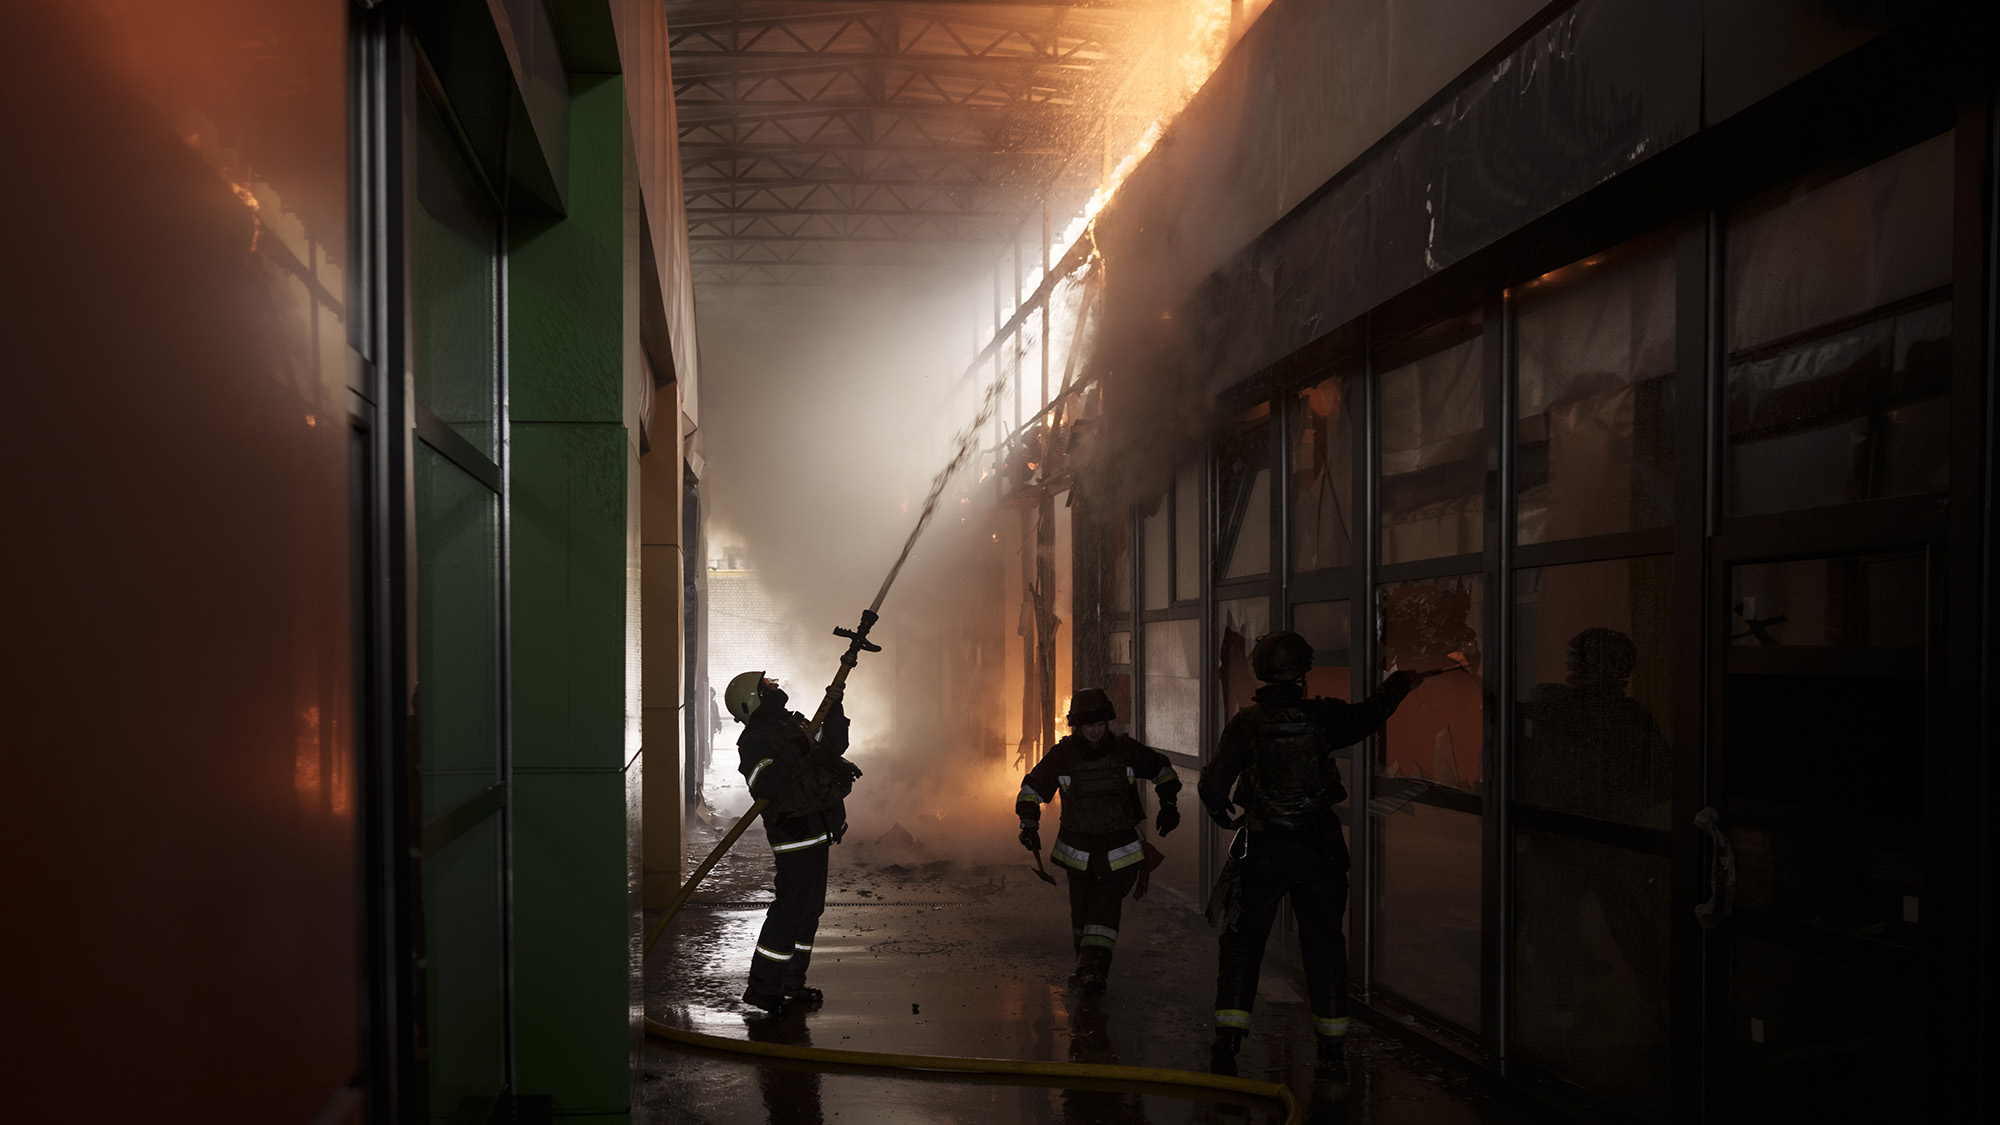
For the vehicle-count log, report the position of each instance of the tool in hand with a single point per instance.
(1042, 872)
(1458, 664)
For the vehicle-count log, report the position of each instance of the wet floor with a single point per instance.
(923, 953)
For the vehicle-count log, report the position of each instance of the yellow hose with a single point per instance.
(1174, 1081)
(700, 873)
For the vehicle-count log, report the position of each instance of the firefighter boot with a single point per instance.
(1332, 1061)
(1222, 1052)
(1093, 968)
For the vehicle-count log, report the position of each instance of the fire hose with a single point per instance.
(1135, 1077)
(1172, 1082)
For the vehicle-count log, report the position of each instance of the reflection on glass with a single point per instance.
(1243, 496)
(1591, 967)
(455, 287)
(1593, 675)
(1322, 456)
(1173, 684)
(1428, 909)
(1433, 456)
(1187, 533)
(1238, 624)
(1326, 627)
(1839, 315)
(1595, 344)
(1157, 558)
(1873, 600)
(458, 641)
(1435, 737)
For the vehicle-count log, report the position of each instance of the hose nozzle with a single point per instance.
(857, 639)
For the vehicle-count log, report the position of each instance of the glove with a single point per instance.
(1031, 836)
(836, 692)
(1224, 817)
(1400, 684)
(1168, 819)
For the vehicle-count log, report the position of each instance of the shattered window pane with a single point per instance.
(1595, 361)
(1594, 681)
(1238, 624)
(1243, 495)
(1434, 738)
(1839, 313)
(1433, 456)
(1322, 456)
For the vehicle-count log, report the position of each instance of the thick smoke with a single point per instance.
(827, 422)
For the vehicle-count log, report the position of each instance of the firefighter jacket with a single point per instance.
(1100, 797)
(1276, 759)
(805, 778)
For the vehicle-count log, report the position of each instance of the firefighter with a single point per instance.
(1275, 758)
(1098, 774)
(807, 781)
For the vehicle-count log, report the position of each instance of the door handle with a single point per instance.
(1721, 872)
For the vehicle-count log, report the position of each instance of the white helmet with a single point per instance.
(743, 695)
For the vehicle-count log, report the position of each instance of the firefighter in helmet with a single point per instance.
(1275, 759)
(807, 780)
(1098, 774)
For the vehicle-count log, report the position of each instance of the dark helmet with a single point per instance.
(1283, 655)
(1090, 705)
(1602, 654)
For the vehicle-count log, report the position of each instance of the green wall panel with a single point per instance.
(566, 277)
(572, 939)
(569, 599)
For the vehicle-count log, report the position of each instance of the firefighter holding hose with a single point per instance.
(1097, 773)
(1275, 758)
(804, 776)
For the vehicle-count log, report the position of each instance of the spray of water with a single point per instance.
(965, 444)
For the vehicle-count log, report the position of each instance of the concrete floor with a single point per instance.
(925, 953)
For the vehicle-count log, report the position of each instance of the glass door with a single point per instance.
(1823, 639)
(1815, 823)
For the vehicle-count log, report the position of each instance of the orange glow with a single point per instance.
(1190, 39)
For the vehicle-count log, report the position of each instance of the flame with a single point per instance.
(1191, 39)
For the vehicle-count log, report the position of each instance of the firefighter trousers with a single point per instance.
(785, 944)
(1312, 873)
(1096, 903)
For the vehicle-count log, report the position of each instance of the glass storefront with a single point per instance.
(1608, 670)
